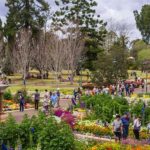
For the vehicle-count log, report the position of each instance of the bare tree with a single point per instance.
(74, 45)
(22, 52)
(39, 53)
(55, 52)
(123, 30)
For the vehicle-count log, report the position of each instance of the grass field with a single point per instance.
(41, 84)
(52, 84)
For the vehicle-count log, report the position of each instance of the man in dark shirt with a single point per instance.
(125, 121)
(36, 99)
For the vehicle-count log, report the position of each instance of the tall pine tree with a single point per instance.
(82, 14)
(143, 22)
(23, 14)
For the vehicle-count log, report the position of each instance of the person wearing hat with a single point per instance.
(125, 121)
(117, 128)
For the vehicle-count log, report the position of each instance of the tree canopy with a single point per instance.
(144, 55)
(111, 67)
(143, 22)
(25, 13)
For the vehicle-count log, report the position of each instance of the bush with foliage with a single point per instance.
(27, 97)
(104, 106)
(8, 95)
(41, 131)
(140, 109)
(9, 131)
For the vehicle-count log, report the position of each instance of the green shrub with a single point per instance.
(9, 131)
(104, 107)
(27, 97)
(8, 95)
(41, 131)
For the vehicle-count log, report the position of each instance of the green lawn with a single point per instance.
(42, 84)
(52, 83)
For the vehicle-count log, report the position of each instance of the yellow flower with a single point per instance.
(94, 148)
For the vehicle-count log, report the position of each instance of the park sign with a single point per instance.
(146, 65)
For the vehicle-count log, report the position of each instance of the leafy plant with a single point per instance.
(8, 95)
(104, 107)
(37, 133)
(24, 92)
(9, 131)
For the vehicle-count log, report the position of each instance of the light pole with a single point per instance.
(2, 88)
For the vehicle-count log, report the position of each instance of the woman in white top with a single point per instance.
(137, 127)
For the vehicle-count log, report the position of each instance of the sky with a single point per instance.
(113, 11)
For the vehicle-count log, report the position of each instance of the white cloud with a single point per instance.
(121, 11)
(118, 10)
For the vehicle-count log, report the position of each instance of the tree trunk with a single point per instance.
(71, 77)
(24, 77)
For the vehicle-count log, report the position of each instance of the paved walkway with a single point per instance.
(64, 103)
(139, 90)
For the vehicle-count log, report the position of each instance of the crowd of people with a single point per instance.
(121, 127)
(120, 124)
(120, 89)
(51, 99)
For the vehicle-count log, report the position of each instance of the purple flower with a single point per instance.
(58, 112)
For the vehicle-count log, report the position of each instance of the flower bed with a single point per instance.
(9, 105)
(115, 146)
(98, 130)
(94, 129)
(66, 116)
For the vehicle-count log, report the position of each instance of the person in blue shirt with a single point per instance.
(54, 99)
(125, 121)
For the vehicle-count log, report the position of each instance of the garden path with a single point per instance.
(64, 103)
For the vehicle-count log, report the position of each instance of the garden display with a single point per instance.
(97, 128)
(29, 134)
(104, 107)
(11, 102)
(9, 105)
(116, 146)
(66, 116)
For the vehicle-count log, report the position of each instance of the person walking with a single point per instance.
(46, 93)
(143, 86)
(125, 121)
(45, 104)
(58, 97)
(54, 99)
(21, 102)
(117, 128)
(127, 90)
(137, 127)
(36, 99)
(75, 93)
